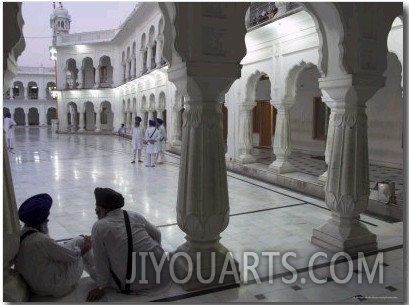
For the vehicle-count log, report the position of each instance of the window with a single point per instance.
(321, 119)
(33, 92)
(16, 92)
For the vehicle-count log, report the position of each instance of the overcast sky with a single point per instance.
(85, 17)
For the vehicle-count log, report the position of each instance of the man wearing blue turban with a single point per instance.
(49, 268)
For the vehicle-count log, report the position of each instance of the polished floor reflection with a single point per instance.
(263, 218)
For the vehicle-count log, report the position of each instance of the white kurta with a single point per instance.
(48, 267)
(152, 134)
(8, 124)
(138, 134)
(163, 138)
(110, 248)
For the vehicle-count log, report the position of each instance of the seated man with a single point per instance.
(122, 130)
(47, 267)
(115, 236)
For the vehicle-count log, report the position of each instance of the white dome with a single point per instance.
(60, 12)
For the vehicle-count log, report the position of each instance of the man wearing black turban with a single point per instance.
(49, 268)
(115, 236)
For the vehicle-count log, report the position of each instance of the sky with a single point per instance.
(85, 17)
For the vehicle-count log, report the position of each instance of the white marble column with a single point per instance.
(42, 117)
(11, 91)
(97, 78)
(26, 92)
(159, 113)
(246, 132)
(98, 121)
(26, 118)
(80, 79)
(150, 114)
(82, 122)
(176, 126)
(328, 144)
(133, 66)
(282, 139)
(149, 58)
(140, 61)
(347, 187)
(158, 55)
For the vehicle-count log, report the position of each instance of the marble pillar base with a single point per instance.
(246, 158)
(344, 235)
(208, 266)
(323, 177)
(81, 130)
(281, 167)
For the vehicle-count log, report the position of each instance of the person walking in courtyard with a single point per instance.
(138, 134)
(8, 127)
(161, 142)
(152, 136)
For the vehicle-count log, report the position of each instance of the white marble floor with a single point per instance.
(263, 218)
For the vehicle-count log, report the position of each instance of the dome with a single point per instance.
(60, 12)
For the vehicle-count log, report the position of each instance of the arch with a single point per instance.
(50, 87)
(71, 73)
(18, 90)
(152, 101)
(88, 71)
(151, 34)
(89, 116)
(143, 41)
(107, 116)
(106, 72)
(134, 105)
(128, 53)
(143, 103)
(251, 83)
(32, 90)
(292, 78)
(72, 116)
(160, 26)
(133, 48)
(162, 100)
(33, 116)
(19, 116)
(51, 114)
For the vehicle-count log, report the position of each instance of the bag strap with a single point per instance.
(26, 234)
(152, 134)
(130, 250)
(127, 289)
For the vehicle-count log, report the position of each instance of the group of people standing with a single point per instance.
(154, 137)
(108, 255)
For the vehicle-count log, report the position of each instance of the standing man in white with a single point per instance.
(162, 141)
(152, 136)
(138, 133)
(8, 127)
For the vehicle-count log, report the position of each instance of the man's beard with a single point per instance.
(44, 228)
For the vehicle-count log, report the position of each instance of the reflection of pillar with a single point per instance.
(80, 79)
(149, 57)
(98, 121)
(328, 144)
(246, 132)
(82, 122)
(97, 78)
(26, 118)
(347, 186)
(158, 57)
(176, 126)
(282, 139)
